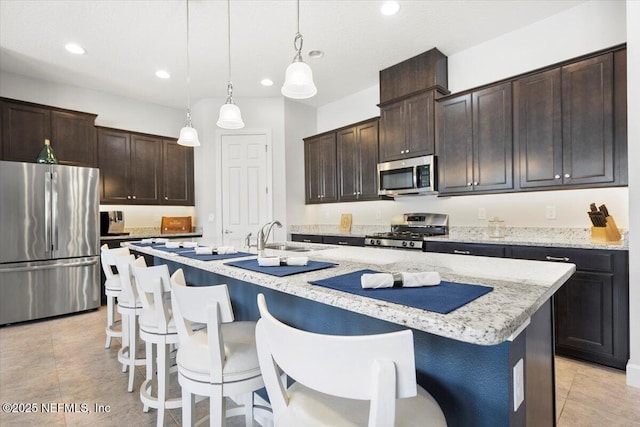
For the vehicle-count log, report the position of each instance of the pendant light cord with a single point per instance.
(188, 72)
(229, 34)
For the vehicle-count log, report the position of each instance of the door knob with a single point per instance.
(566, 175)
(557, 177)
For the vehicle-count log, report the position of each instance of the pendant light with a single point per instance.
(298, 83)
(188, 135)
(230, 117)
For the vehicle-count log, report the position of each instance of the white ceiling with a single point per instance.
(126, 41)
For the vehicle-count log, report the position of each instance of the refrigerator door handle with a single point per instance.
(47, 212)
(48, 266)
(54, 210)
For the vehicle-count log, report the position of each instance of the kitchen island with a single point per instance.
(467, 359)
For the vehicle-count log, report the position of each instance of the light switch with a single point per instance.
(550, 212)
(482, 213)
(211, 217)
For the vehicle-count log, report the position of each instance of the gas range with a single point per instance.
(409, 230)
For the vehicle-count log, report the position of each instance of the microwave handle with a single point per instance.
(415, 177)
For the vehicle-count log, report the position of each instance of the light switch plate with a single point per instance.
(482, 213)
(518, 384)
(550, 212)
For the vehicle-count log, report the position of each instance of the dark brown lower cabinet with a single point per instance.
(591, 310)
(328, 240)
(592, 307)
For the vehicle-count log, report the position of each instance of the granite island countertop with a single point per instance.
(520, 287)
(145, 235)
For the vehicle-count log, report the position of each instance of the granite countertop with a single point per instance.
(532, 236)
(561, 237)
(138, 236)
(520, 287)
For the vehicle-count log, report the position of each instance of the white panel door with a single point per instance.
(246, 192)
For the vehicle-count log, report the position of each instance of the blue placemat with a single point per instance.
(252, 264)
(174, 250)
(192, 254)
(147, 244)
(443, 298)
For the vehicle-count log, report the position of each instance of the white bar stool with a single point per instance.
(219, 361)
(158, 330)
(129, 307)
(342, 380)
(112, 289)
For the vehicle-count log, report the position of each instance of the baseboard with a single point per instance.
(633, 374)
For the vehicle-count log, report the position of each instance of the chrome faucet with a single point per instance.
(262, 237)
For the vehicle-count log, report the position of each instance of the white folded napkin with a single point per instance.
(425, 278)
(172, 245)
(408, 280)
(376, 280)
(160, 240)
(203, 250)
(297, 260)
(272, 261)
(189, 244)
(226, 250)
(146, 241)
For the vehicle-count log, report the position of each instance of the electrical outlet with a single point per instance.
(211, 217)
(518, 384)
(378, 215)
(550, 212)
(482, 213)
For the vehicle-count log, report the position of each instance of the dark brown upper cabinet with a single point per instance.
(475, 141)
(425, 71)
(567, 128)
(130, 167)
(587, 121)
(357, 157)
(177, 162)
(25, 126)
(407, 127)
(320, 168)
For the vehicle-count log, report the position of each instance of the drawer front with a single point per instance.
(466, 249)
(306, 238)
(584, 259)
(340, 240)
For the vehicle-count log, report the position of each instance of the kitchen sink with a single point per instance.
(291, 248)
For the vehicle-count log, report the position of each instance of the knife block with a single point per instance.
(608, 234)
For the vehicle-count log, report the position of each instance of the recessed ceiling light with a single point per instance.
(163, 74)
(390, 8)
(316, 54)
(74, 48)
(266, 82)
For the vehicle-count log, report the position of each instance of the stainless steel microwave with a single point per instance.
(407, 177)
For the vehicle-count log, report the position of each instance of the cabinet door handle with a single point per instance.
(306, 240)
(128, 197)
(566, 175)
(557, 177)
(166, 197)
(557, 258)
(475, 182)
(469, 184)
(456, 251)
(406, 151)
(343, 243)
(355, 192)
(133, 197)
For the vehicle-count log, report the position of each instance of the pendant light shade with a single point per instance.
(188, 135)
(298, 82)
(230, 116)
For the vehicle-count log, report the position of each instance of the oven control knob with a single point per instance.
(378, 242)
(412, 244)
(404, 243)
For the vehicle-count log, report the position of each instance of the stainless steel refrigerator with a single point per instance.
(49, 242)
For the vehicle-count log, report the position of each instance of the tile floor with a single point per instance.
(62, 360)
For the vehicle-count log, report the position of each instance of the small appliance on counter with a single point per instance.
(604, 228)
(409, 230)
(112, 223)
